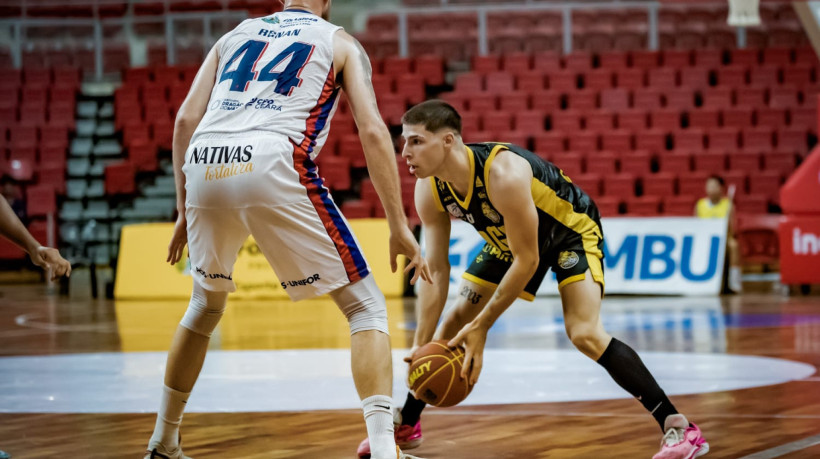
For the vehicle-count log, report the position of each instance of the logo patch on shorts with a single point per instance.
(567, 260)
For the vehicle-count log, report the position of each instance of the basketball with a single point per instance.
(434, 375)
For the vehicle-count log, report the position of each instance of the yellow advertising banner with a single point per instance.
(142, 272)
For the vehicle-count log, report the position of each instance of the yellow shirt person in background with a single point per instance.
(717, 205)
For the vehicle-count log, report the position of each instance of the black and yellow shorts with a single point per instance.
(569, 261)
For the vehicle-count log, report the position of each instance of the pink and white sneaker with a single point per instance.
(407, 437)
(682, 439)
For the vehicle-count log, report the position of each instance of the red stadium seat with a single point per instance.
(803, 117)
(619, 141)
(499, 83)
(709, 161)
(583, 100)
(143, 154)
(694, 77)
(598, 79)
(469, 83)
(740, 118)
(549, 142)
(764, 77)
(357, 209)
(751, 204)
(584, 141)
(779, 161)
(652, 140)
(644, 206)
(630, 78)
(530, 82)
(645, 60)
(647, 99)
(732, 76)
(692, 183)
(601, 162)
(486, 64)
(608, 206)
(660, 184)
(771, 117)
(397, 66)
(683, 205)
(747, 57)
(633, 120)
(599, 121)
(431, 68)
(708, 58)
(637, 163)
(562, 81)
(744, 161)
(798, 75)
(783, 97)
(335, 171)
(706, 118)
(529, 121)
(119, 178)
(411, 86)
(725, 139)
(662, 78)
(616, 61)
(758, 239)
(765, 183)
(516, 101)
(679, 99)
(689, 140)
(590, 183)
(40, 201)
(517, 63)
(569, 162)
(615, 99)
(777, 56)
(794, 140)
(619, 185)
(578, 62)
(665, 120)
(566, 122)
(494, 120)
(760, 139)
(750, 97)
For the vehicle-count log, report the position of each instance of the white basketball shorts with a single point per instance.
(267, 187)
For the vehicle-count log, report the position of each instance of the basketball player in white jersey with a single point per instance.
(245, 139)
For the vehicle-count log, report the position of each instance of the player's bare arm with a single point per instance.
(509, 190)
(353, 65)
(190, 114)
(45, 257)
(432, 298)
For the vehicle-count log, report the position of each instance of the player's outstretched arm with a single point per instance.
(510, 192)
(45, 257)
(354, 66)
(432, 297)
(188, 118)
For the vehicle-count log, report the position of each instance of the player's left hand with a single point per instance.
(473, 337)
(402, 242)
(178, 240)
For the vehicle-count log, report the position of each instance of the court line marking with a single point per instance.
(27, 320)
(502, 412)
(785, 448)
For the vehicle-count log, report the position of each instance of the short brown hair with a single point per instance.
(434, 115)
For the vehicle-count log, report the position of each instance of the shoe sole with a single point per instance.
(412, 444)
(702, 450)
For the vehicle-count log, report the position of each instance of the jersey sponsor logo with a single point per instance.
(275, 34)
(490, 213)
(568, 259)
(495, 252)
(206, 275)
(273, 20)
(263, 104)
(221, 154)
(301, 282)
(225, 104)
(232, 160)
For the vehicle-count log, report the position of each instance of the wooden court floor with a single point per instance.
(781, 420)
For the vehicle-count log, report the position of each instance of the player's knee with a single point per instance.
(204, 311)
(585, 337)
(364, 306)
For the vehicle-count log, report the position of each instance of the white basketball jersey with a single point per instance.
(276, 77)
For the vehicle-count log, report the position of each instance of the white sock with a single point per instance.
(378, 415)
(169, 417)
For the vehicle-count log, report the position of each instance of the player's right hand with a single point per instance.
(178, 240)
(404, 243)
(51, 261)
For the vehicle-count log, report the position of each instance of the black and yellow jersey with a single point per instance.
(564, 210)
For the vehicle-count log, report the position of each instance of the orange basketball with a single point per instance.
(434, 374)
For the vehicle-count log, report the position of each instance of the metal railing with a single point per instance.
(565, 8)
(18, 27)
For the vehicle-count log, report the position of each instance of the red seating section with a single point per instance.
(37, 107)
(690, 113)
(680, 26)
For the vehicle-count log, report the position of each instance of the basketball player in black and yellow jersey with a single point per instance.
(533, 219)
